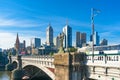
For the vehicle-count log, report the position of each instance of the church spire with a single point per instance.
(17, 43)
(17, 39)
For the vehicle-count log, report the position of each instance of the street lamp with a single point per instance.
(93, 13)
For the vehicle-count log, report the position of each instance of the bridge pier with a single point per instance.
(9, 66)
(70, 66)
(18, 73)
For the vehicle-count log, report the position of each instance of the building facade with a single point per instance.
(49, 35)
(20, 47)
(17, 43)
(104, 42)
(57, 42)
(80, 39)
(67, 43)
(36, 42)
(96, 39)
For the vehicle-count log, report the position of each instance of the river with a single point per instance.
(4, 75)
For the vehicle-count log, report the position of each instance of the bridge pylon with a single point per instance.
(18, 73)
(70, 66)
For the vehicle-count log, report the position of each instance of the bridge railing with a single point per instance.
(46, 61)
(111, 60)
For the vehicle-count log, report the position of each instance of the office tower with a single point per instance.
(57, 42)
(80, 39)
(104, 42)
(83, 39)
(96, 39)
(67, 42)
(49, 36)
(36, 42)
(91, 37)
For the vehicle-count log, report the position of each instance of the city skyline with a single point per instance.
(31, 18)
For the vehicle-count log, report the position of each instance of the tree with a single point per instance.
(72, 49)
(51, 53)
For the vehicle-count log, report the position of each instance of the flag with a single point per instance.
(95, 12)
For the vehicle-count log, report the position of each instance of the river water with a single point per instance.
(4, 75)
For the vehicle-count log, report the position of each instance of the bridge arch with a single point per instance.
(38, 67)
(14, 63)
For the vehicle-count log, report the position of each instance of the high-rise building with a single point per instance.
(104, 42)
(91, 37)
(67, 30)
(36, 42)
(49, 36)
(57, 42)
(83, 39)
(80, 39)
(96, 39)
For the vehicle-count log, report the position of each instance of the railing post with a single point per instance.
(105, 58)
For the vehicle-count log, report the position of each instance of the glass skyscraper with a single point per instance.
(96, 39)
(80, 39)
(67, 30)
(36, 42)
(49, 35)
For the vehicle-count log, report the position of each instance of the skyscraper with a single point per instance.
(49, 36)
(91, 37)
(83, 39)
(96, 39)
(80, 39)
(57, 42)
(36, 42)
(104, 42)
(67, 30)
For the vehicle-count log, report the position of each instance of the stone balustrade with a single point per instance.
(46, 61)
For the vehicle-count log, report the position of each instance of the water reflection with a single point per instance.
(4, 75)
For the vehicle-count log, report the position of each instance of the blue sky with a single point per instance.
(30, 18)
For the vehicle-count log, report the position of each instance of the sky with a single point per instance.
(30, 18)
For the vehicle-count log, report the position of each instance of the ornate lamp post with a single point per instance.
(92, 21)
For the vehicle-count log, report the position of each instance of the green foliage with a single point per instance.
(51, 53)
(72, 49)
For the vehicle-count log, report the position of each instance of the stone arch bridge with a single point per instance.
(73, 66)
(34, 65)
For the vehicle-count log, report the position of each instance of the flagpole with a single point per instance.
(92, 19)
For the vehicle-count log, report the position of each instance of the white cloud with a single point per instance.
(6, 40)
(4, 22)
